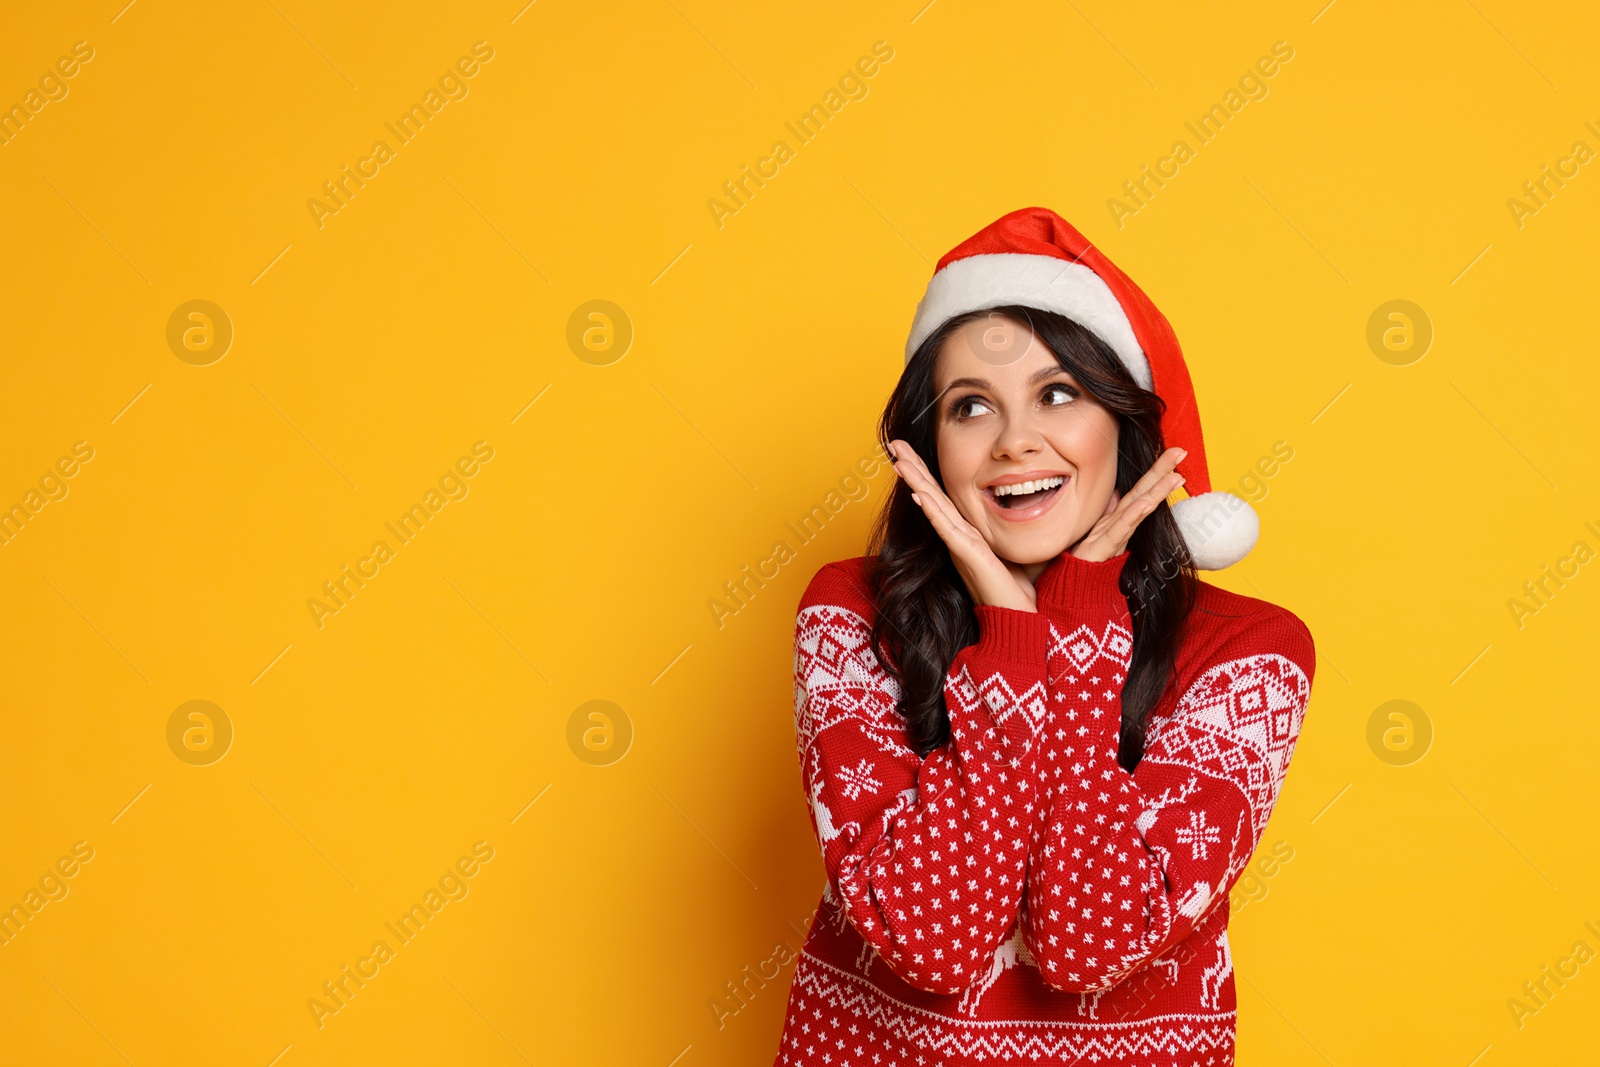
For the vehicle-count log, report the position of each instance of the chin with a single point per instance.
(1037, 548)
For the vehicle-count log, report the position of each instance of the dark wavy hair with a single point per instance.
(924, 612)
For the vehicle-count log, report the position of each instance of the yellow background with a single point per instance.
(431, 711)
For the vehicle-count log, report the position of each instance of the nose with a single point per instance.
(1018, 439)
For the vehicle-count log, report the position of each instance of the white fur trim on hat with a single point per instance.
(1219, 528)
(1059, 285)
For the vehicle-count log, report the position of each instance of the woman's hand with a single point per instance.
(1110, 533)
(989, 579)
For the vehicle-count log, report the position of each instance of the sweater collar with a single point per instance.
(1072, 582)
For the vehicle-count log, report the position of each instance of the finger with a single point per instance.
(921, 480)
(959, 521)
(951, 515)
(1138, 508)
(965, 544)
(1158, 482)
(1159, 469)
(908, 465)
(1125, 513)
(954, 538)
(1160, 489)
(916, 476)
(958, 535)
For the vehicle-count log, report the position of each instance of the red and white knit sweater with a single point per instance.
(1017, 896)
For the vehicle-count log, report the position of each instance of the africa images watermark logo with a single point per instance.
(451, 886)
(452, 85)
(1252, 85)
(452, 485)
(52, 87)
(52, 485)
(738, 592)
(852, 85)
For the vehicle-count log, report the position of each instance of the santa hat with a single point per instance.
(1033, 257)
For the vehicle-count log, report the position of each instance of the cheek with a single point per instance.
(969, 501)
(1089, 442)
(959, 460)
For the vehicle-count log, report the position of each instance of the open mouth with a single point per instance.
(1019, 496)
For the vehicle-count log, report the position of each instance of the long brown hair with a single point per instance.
(924, 612)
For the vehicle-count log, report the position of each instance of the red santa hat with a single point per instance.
(1035, 258)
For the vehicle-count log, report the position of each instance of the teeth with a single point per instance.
(1023, 488)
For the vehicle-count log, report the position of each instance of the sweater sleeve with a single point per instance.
(1127, 864)
(926, 856)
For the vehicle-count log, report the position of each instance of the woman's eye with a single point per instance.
(970, 407)
(1057, 395)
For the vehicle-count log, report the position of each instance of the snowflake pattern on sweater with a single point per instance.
(1017, 896)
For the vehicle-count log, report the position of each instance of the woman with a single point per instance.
(1038, 750)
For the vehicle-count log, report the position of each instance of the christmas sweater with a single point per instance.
(1016, 896)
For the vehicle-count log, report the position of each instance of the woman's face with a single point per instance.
(1010, 419)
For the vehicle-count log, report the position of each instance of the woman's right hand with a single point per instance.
(989, 579)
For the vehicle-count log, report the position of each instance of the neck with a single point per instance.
(1033, 570)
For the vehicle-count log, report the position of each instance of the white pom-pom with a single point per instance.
(1219, 528)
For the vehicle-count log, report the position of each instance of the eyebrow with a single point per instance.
(978, 383)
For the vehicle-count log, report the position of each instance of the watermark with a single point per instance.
(338, 592)
(1538, 991)
(1399, 733)
(599, 732)
(1252, 85)
(1253, 482)
(1537, 192)
(452, 886)
(199, 332)
(1252, 887)
(53, 885)
(739, 592)
(737, 993)
(51, 88)
(199, 733)
(1001, 342)
(52, 486)
(599, 332)
(452, 86)
(1538, 591)
(1252, 487)
(852, 86)
(1155, 979)
(1399, 332)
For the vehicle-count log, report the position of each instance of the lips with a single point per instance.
(1024, 498)
(1027, 488)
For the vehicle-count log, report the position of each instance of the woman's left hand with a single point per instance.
(1109, 535)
